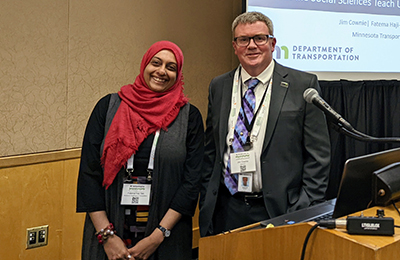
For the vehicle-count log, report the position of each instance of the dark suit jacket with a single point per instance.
(296, 152)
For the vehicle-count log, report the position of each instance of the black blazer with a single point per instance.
(296, 152)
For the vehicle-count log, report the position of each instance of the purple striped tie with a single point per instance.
(240, 132)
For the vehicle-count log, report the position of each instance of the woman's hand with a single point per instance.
(115, 248)
(145, 247)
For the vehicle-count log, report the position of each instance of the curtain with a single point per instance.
(371, 107)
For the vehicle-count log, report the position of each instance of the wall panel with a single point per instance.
(33, 75)
(40, 190)
(72, 226)
(31, 196)
(58, 58)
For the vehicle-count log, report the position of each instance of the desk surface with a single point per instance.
(373, 241)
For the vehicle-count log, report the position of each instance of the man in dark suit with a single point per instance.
(287, 148)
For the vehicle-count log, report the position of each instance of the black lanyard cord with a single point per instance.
(249, 126)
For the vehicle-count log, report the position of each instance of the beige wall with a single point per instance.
(57, 58)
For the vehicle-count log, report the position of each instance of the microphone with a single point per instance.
(311, 96)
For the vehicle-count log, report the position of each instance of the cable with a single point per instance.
(394, 205)
(303, 252)
(355, 225)
(398, 211)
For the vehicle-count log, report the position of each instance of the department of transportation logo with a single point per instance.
(316, 52)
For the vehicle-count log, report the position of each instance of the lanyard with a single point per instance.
(262, 111)
(150, 167)
(249, 126)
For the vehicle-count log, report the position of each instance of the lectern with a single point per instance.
(286, 242)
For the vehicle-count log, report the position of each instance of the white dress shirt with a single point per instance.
(265, 79)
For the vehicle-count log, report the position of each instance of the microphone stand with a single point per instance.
(353, 133)
(338, 123)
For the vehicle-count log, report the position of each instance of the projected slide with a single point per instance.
(335, 35)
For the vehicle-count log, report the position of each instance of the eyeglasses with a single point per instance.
(259, 40)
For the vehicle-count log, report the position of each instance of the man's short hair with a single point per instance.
(252, 17)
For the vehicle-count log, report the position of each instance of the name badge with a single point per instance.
(242, 162)
(136, 194)
(245, 182)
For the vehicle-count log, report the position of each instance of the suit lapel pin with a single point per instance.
(284, 84)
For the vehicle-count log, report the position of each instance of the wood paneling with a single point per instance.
(31, 196)
(73, 222)
(40, 190)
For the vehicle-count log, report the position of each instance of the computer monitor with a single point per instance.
(355, 191)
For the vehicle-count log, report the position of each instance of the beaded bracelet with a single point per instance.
(105, 233)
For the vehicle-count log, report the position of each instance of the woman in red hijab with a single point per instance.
(140, 166)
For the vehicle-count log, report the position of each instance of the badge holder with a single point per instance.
(244, 165)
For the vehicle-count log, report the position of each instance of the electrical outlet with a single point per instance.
(37, 236)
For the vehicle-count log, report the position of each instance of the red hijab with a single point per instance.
(141, 112)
